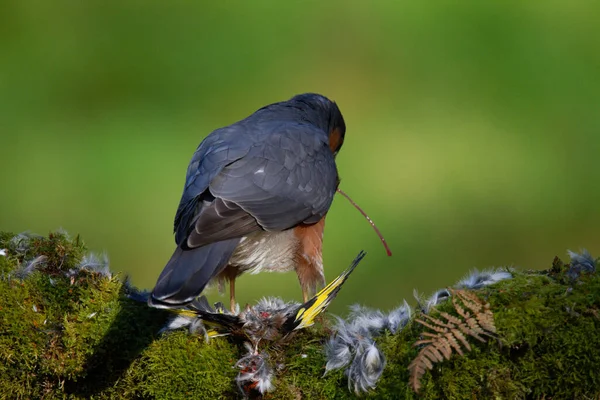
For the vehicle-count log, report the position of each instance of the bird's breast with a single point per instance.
(266, 252)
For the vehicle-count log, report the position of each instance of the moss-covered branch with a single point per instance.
(69, 329)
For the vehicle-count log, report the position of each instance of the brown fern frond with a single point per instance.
(481, 310)
(451, 339)
(424, 341)
(437, 321)
(455, 321)
(475, 319)
(467, 329)
(486, 319)
(440, 342)
(433, 354)
(437, 326)
(459, 309)
(443, 346)
(469, 299)
(417, 369)
(474, 329)
(460, 336)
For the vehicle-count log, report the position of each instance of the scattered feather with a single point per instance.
(398, 318)
(137, 295)
(97, 264)
(478, 279)
(266, 318)
(353, 344)
(30, 266)
(366, 368)
(338, 353)
(255, 373)
(436, 298)
(21, 243)
(177, 322)
(580, 263)
(367, 320)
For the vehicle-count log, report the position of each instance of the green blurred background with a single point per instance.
(473, 128)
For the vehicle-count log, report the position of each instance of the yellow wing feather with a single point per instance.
(305, 316)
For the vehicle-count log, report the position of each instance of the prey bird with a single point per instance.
(255, 200)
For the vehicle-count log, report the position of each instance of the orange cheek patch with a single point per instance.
(335, 139)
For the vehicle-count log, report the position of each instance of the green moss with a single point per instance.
(181, 366)
(301, 374)
(548, 341)
(78, 335)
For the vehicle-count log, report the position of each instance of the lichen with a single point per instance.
(72, 332)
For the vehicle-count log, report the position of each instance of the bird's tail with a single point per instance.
(188, 272)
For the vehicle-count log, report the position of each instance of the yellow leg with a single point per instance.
(232, 295)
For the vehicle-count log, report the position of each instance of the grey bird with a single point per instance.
(255, 199)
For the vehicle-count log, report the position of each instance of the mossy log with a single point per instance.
(73, 332)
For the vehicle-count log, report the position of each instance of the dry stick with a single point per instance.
(387, 249)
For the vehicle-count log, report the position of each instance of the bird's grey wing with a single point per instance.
(218, 149)
(287, 177)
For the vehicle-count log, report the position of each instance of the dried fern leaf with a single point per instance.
(460, 336)
(437, 321)
(433, 354)
(465, 327)
(455, 321)
(475, 319)
(434, 335)
(439, 329)
(459, 309)
(451, 338)
(470, 300)
(420, 342)
(417, 369)
(486, 320)
(474, 325)
(443, 347)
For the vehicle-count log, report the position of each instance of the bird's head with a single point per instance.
(324, 113)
